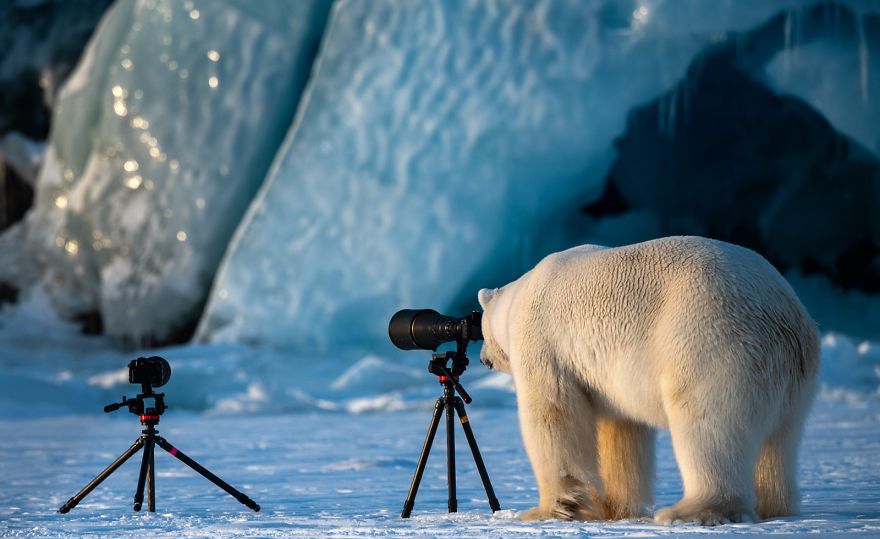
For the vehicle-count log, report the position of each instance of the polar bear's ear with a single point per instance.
(485, 297)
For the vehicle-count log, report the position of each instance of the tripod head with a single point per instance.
(137, 406)
(448, 375)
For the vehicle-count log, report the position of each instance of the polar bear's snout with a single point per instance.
(485, 361)
(492, 356)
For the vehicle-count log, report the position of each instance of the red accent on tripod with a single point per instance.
(444, 378)
(145, 418)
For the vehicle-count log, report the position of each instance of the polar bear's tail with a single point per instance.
(776, 469)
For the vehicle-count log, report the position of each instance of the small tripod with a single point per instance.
(150, 418)
(449, 380)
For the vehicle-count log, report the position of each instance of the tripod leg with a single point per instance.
(71, 503)
(450, 456)
(206, 473)
(151, 477)
(142, 478)
(423, 459)
(478, 459)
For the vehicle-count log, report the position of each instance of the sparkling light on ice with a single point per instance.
(161, 137)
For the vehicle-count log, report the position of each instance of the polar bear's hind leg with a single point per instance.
(626, 464)
(776, 470)
(716, 450)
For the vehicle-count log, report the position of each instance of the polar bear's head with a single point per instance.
(492, 356)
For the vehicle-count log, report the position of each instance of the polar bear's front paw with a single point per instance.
(575, 506)
(535, 513)
(703, 515)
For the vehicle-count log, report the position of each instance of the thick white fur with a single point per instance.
(698, 336)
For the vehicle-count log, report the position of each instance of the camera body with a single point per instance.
(149, 371)
(426, 329)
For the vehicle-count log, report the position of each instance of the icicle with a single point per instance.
(661, 116)
(863, 60)
(686, 88)
(2, 193)
(673, 106)
(797, 35)
(786, 52)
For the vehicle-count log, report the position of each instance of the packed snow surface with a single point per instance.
(327, 444)
(338, 475)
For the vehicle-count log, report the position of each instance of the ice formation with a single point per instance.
(442, 148)
(439, 147)
(837, 73)
(159, 140)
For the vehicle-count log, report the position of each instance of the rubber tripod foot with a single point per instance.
(67, 506)
(407, 509)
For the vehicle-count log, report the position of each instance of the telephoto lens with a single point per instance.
(426, 329)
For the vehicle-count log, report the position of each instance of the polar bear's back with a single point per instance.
(632, 315)
(697, 269)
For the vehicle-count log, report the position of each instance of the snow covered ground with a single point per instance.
(327, 445)
(343, 475)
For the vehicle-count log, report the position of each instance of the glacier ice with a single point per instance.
(40, 41)
(160, 138)
(440, 148)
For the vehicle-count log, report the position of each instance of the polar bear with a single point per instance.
(695, 335)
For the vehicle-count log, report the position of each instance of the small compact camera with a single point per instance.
(153, 371)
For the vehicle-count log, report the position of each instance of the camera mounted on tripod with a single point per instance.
(426, 329)
(150, 372)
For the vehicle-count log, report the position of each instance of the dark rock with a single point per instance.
(40, 43)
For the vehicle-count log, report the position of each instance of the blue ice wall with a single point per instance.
(439, 149)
